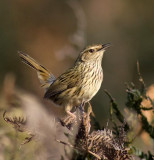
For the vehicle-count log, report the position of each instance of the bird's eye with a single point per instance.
(91, 50)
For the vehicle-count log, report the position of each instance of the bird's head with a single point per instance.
(93, 53)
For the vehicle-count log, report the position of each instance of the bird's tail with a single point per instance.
(45, 77)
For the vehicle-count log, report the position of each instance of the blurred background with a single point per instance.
(54, 32)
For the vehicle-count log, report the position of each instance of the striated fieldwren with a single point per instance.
(77, 85)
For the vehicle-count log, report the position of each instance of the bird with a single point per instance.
(78, 84)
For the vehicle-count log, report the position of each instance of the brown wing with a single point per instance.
(67, 80)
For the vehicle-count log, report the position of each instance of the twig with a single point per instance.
(141, 78)
(114, 105)
(146, 109)
(68, 144)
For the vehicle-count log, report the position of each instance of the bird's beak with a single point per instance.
(104, 46)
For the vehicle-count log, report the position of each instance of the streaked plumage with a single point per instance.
(78, 84)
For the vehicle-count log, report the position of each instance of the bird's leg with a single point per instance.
(69, 119)
(81, 108)
(68, 111)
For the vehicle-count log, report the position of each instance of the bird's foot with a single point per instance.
(69, 120)
(73, 116)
